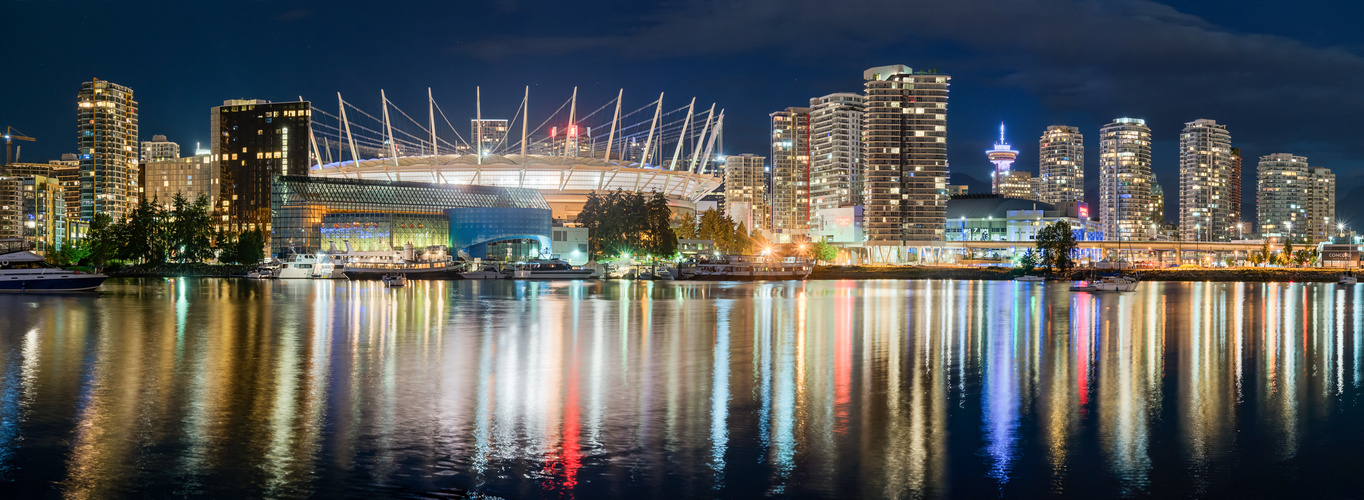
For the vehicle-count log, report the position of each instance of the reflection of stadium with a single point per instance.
(564, 182)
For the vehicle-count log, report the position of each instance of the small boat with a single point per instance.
(552, 269)
(483, 271)
(1347, 279)
(1028, 278)
(394, 280)
(309, 266)
(25, 271)
(1116, 284)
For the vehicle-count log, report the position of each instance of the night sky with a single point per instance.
(1283, 76)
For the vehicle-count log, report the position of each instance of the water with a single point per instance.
(840, 389)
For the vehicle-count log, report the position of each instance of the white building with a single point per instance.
(569, 244)
(836, 148)
(1205, 182)
(1061, 165)
(1284, 181)
(905, 143)
(1125, 209)
(1321, 204)
(790, 193)
(159, 149)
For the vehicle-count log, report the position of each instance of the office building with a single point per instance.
(905, 142)
(490, 134)
(191, 177)
(107, 148)
(836, 150)
(254, 140)
(159, 149)
(790, 193)
(1015, 184)
(1125, 206)
(746, 191)
(1205, 182)
(1061, 165)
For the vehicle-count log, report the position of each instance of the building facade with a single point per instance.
(491, 135)
(1234, 196)
(159, 149)
(1014, 184)
(1125, 206)
(905, 142)
(1061, 165)
(836, 150)
(191, 177)
(746, 191)
(1284, 181)
(1321, 204)
(107, 148)
(790, 193)
(33, 207)
(1205, 182)
(254, 140)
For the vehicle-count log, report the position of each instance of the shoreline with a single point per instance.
(1235, 274)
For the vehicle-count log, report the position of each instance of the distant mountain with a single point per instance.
(973, 185)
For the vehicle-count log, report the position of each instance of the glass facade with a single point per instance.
(516, 233)
(305, 211)
(254, 140)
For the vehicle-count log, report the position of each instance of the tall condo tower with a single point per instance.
(836, 147)
(253, 141)
(1234, 203)
(746, 191)
(790, 194)
(107, 148)
(1125, 209)
(1003, 157)
(905, 142)
(1294, 198)
(1205, 182)
(1061, 165)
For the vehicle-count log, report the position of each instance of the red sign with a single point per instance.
(843, 221)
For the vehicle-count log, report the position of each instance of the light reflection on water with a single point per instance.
(558, 389)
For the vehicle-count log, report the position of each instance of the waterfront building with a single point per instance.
(33, 207)
(1234, 196)
(107, 148)
(905, 169)
(191, 177)
(746, 191)
(310, 214)
(1283, 183)
(67, 171)
(790, 193)
(254, 140)
(1003, 157)
(1205, 182)
(836, 150)
(159, 149)
(491, 135)
(570, 244)
(841, 226)
(996, 218)
(1125, 205)
(1321, 204)
(1061, 165)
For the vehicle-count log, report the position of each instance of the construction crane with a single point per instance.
(10, 136)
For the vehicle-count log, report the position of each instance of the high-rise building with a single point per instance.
(1321, 204)
(254, 140)
(67, 171)
(106, 142)
(192, 177)
(33, 207)
(1205, 182)
(159, 149)
(1003, 157)
(491, 134)
(1284, 182)
(1157, 202)
(904, 139)
(790, 193)
(1061, 165)
(1125, 208)
(1234, 202)
(836, 148)
(746, 191)
(1014, 184)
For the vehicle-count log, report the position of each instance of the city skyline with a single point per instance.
(1024, 82)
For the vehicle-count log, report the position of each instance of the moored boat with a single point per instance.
(1347, 279)
(394, 280)
(550, 269)
(25, 271)
(1028, 278)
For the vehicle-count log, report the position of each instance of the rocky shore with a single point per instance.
(1246, 274)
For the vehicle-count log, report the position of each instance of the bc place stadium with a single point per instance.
(385, 179)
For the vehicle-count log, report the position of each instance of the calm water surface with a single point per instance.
(233, 388)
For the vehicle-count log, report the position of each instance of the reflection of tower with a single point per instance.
(1003, 157)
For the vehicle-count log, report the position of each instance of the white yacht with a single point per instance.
(1028, 278)
(553, 269)
(478, 270)
(1116, 284)
(25, 271)
(311, 266)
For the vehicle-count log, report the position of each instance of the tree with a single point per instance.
(1287, 250)
(226, 244)
(657, 232)
(1027, 262)
(190, 229)
(684, 226)
(1055, 243)
(823, 251)
(251, 247)
(742, 242)
(106, 240)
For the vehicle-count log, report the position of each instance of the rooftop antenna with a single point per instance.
(478, 118)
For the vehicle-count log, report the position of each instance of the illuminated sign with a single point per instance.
(843, 221)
